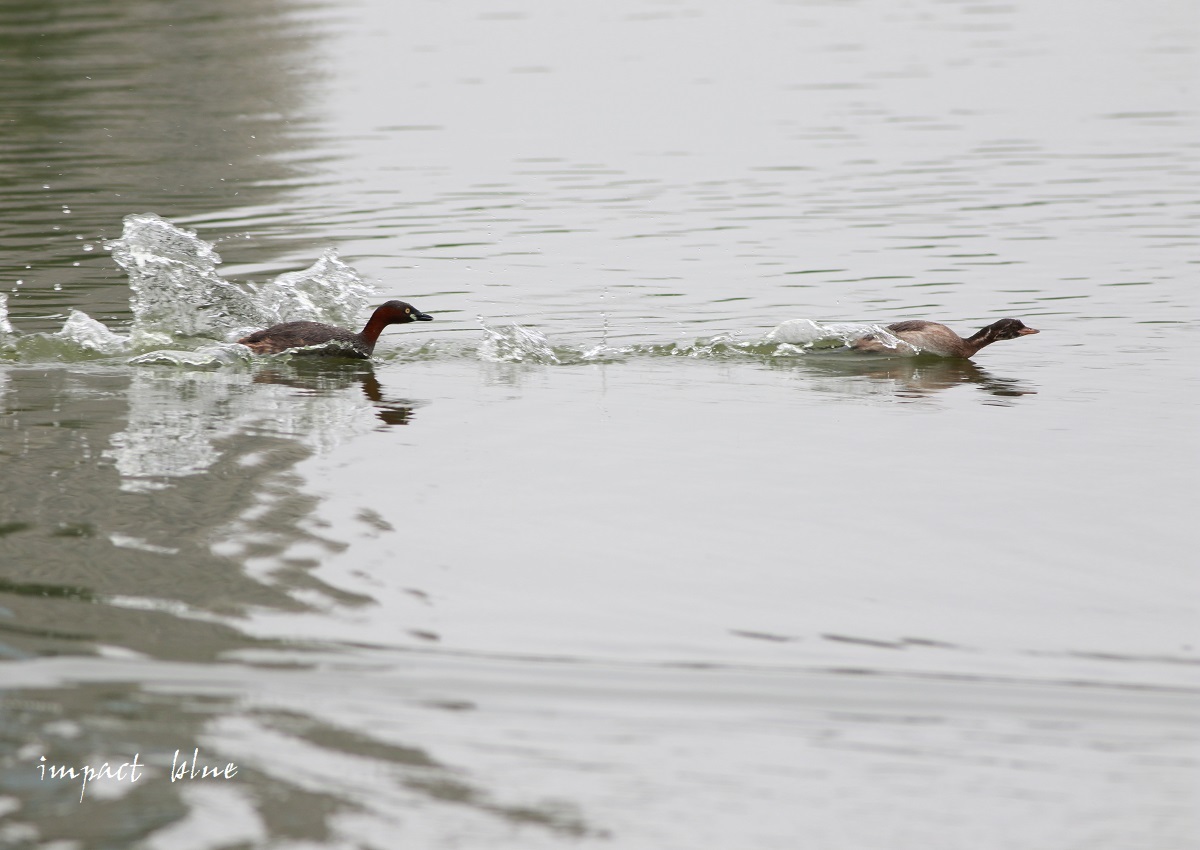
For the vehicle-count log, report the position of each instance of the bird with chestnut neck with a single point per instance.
(329, 340)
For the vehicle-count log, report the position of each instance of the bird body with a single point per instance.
(329, 340)
(936, 338)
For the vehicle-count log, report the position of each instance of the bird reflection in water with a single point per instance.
(318, 377)
(915, 377)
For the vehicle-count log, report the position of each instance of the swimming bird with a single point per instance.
(332, 341)
(934, 338)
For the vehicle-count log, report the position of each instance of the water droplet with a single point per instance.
(89, 247)
(75, 264)
(58, 287)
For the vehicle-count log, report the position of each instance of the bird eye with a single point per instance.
(406, 310)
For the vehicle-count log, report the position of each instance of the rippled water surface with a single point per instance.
(626, 548)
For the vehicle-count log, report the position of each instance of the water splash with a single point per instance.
(605, 353)
(204, 357)
(801, 335)
(5, 327)
(186, 314)
(327, 291)
(719, 347)
(179, 301)
(175, 287)
(174, 283)
(90, 335)
(515, 344)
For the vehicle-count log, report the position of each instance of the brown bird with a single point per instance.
(332, 341)
(934, 338)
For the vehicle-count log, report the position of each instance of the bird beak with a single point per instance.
(1027, 331)
(425, 317)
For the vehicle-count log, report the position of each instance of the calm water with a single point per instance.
(621, 550)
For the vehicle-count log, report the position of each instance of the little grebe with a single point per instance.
(337, 342)
(938, 339)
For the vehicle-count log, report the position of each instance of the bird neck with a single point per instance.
(375, 325)
(977, 340)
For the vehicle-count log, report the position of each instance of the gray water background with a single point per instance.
(624, 574)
